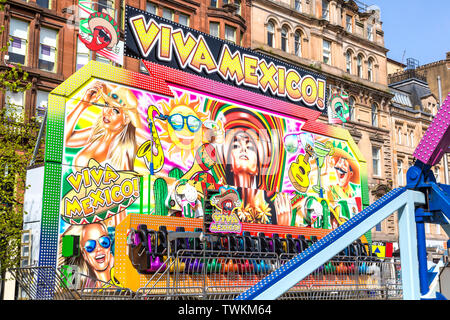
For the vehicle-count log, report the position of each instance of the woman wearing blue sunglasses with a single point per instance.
(96, 250)
(97, 257)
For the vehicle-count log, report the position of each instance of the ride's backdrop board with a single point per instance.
(122, 143)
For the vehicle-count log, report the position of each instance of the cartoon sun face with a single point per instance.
(184, 126)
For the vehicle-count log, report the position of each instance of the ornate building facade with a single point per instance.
(412, 109)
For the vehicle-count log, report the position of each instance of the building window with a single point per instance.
(84, 14)
(270, 34)
(400, 180)
(214, 29)
(17, 50)
(43, 3)
(370, 32)
(230, 33)
(142, 68)
(374, 115)
(47, 49)
(399, 136)
(284, 39)
(348, 61)
(325, 10)
(25, 247)
(327, 52)
(9, 185)
(102, 59)
(351, 108)
(183, 19)
(359, 65)
(238, 6)
(298, 5)
(437, 174)
(224, 2)
(411, 138)
(348, 23)
(298, 43)
(41, 104)
(213, 3)
(107, 5)
(83, 54)
(376, 164)
(151, 7)
(378, 227)
(14, 105)
(168, 14)
(370, 69)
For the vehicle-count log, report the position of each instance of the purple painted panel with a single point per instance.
(436, 141)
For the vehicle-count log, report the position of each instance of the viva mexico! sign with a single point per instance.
(152, 38)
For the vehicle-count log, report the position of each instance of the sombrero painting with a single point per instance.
(104, 31)
(263, 129)
(227, 200)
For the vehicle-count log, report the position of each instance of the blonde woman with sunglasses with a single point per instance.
(96, 260)
(112, 138)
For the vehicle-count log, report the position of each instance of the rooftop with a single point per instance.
(407, 74)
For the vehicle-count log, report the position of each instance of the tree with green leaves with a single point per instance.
(17, 142)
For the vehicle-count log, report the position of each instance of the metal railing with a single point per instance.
(349, 278)
(44, 283)
(210, 275)
(191, 276)
(406, 75)
(49, 283)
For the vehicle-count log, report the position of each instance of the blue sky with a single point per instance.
(418, 29)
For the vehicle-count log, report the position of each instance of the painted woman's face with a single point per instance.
(96, 246)
(244, 156)
(113, 118)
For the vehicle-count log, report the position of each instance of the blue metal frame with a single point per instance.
(306, 262)
(436, 210)
(421, 201)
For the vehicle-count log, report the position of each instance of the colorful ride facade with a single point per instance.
(126, 148)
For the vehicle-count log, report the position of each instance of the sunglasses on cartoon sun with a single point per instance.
(104, 242)
(177, 122)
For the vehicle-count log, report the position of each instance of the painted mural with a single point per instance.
(284, 175)
(98, 30)
(103, 128)
(128, 150)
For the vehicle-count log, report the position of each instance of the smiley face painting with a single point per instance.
(182, 130)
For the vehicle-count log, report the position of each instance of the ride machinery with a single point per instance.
(421, 201)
